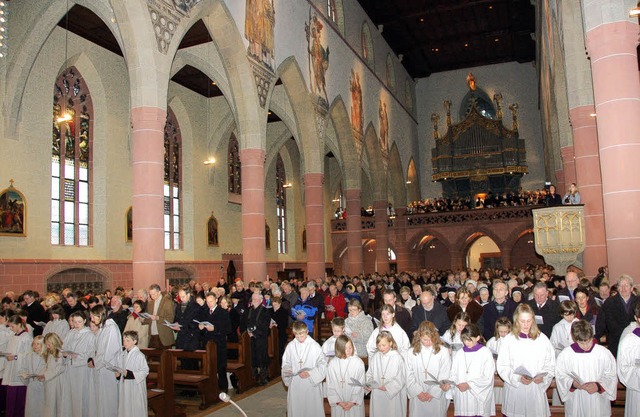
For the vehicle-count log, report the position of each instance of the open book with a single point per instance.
(67, 353)
(369, 385)
(522, 371)
(435, 381)
(576, 378)
(144, 315)
(166, 323)
(453, 346)
(204, 323)
(40, 323)
(289, 372)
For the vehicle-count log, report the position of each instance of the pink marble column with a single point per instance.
(382, 236)
(354, 233)
(147, 195)
(589, 181)
(402, 249)
(568, 166)
(616, 88)
(560, 181)
(254, 258)
(314, 213)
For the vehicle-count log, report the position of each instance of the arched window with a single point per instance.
(391, 74)
(233, 158)
(172, 182)
(367, 44)
(71, 161)
(335, 13)
(281, 205)
(332, 11)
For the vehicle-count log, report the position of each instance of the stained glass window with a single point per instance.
(235, 185)
(332, 12)
(281, 205)
(172, 179)
(71, 161)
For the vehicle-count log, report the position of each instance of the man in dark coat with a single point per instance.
(500, 306)
(217, 331)
(35, 312)
(616, 313)
(429, 309)
(403, 317)
(255, 321)
(546, 311)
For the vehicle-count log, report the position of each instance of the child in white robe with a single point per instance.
(501, 330)
(425, 364)
(304, 367)
(32, 366)
(586, 375)
(628, 369)
(345, 398)
(337, 330)
(5, 334)
(472, 371)
(451, 337)
(388, 323)
(132, 401)
(18, 346)
(106, 355)
(526, 349)
(385, 378)
(57, 398)
(79, 346)
(58, 323)
(561, 333)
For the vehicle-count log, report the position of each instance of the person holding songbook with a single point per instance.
(386, 377)
(18, 346)
(586, 375)
(32, 366)
(629, 367)
(345, 380)
(526, 363)
(132, 375)
(106, 354)
(79, 346)
(57, 398)
(304, 367)
(427, 366)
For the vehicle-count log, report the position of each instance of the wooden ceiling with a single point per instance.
(443, 35)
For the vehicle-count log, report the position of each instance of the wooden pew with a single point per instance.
(241, 367)
(161, 393)
(325, 331)
(274, 353)
(205, 379)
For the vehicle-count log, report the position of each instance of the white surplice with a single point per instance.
(107, 354)
(436, 364)
(59, 327)
(133, 392)
(33, 364)
(79, 376)
(494, 346)
(599, 366)
(20, 345)
(561, 335)
(476, 368)
(57, 396)
(537, 356)
(340, 388)
(5, 334)
(387, 370)
(629, 372)
(304, 397)
(399, 335)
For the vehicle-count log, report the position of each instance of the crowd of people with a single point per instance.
(426, 337)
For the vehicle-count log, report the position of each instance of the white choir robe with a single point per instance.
(59, 327)
(436, 364)
(393, 401)
(329, 347)
(598, 365)
(494, 346)
(5, 334)
(57, 397)
(33, 364)
(107, 354)
(399, 335)
(452, 340)
(79, 376)
(133, 392)
(305, 396)
(339, 388)
(629, 372)
(474, 366)
(17, 345)
(536, 356)
(561, 335)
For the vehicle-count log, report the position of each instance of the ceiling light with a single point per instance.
(409, 182)
(497, 40)
(593, 115)
(287, 185)
(210, 161)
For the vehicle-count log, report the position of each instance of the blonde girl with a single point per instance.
(386, 378)
(32, 366)
(452, 336)
(56, 394)
(345, 398)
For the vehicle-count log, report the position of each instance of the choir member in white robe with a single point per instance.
(57, 398)
(345, 398)
(107, 353)
(452, 336)
(629, 369)
(426, 363)
(388, 323)
(132, 401)
(337, 330)
(18, 346)
(502, 329)
(58, 323)
(529, 348)
(304, 367)
(32, 366)
(386, 377)
(596, 385)
(5, 334)
(79, 345)
(472, 371)
(561, 333)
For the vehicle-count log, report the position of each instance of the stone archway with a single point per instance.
(84, 278)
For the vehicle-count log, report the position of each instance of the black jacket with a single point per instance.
(550, 313)
(437, 315)
(189, 335)
(613, 318)
(221, 325)
(490, 315)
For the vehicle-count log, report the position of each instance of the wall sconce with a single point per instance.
(287, 185)
(409, 182)
(210, 164)
(635, 12)
(210, 161)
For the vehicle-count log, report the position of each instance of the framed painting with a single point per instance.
(212, 231)
(129, 225)
(13, 212)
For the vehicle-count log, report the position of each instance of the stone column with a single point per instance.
(354, 233)
(589, 180)
(403, 251)
(382, 236)
(254, 258)
(616, 87)
(314, 213)
(568, 167)
(147, 195)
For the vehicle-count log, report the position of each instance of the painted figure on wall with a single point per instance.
(259, 27)
(129, 220)
(12, 212)
(212, 231)
(384, 125)
(356, 103)
(318, 55)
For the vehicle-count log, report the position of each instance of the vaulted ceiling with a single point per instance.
(441, 35)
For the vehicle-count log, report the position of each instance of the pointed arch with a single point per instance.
(377, 167)
(366, 45)
(396, 183)
(339, 118)
(413, 182)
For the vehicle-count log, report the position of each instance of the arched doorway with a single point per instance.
(524, 251)
(433, 254)
(483, 253)
(78, 279)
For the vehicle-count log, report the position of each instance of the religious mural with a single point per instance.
(12, 212)
(259, 27)
(212, 231)
(357, 121)
(384, 125)
(318, 55)
(129, 222)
